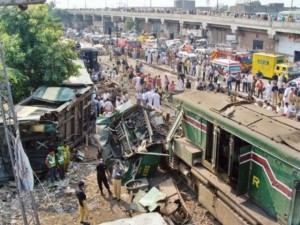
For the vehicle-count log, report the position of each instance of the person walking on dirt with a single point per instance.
(102, 176)
(117, 175)
(82, 204)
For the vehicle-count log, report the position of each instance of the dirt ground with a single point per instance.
(104, 208)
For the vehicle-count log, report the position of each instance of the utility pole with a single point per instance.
(292, 1)
(21, 169)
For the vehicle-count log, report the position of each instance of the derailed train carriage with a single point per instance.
(243, 161)
(135, 136)
(50, 116)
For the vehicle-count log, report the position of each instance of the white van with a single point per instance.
(184, 55)
(204, 51)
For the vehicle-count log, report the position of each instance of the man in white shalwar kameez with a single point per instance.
(269, 91)
(138, 86)
(156, 100)
(180, 85)
(149, 95)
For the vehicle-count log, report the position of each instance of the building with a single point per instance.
(185, 4)
(255, 6)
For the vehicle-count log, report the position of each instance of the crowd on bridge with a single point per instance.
(253, 16)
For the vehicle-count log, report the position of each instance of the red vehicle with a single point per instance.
(225, 66)
(122, 42)
(245, 58)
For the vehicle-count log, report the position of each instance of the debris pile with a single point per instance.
(145, 219)
(135, 136)
(166, 199)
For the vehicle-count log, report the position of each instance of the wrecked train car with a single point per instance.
(242, 160)
(135, 136)
(50, 116)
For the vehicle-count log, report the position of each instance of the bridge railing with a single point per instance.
(208, 19)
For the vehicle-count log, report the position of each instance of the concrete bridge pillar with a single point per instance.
(107, 24)
(135, 27)
(181, 23)
(271, 33)
(234, 28)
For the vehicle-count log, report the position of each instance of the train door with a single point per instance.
(222, 153)
(241, 149)
(228, 149)
(244, 168)
(209, 159)
(294, 216)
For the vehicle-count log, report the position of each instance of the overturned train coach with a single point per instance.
(242, 160)
(49, 117)
(135, 136)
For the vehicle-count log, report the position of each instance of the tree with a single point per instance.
(34, 51)
(129, 24)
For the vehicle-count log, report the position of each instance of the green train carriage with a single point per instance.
(243, 161)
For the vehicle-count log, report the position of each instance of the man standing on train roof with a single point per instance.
(102, 175)
(51, 164)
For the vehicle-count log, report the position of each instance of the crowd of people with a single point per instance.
(253, 16)
(149, 89)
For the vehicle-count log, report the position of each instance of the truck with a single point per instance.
(270, 64)
(244, 57)
(225, 66)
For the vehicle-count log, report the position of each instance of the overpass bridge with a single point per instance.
(268, 35)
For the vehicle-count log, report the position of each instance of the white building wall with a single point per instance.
(287, 46)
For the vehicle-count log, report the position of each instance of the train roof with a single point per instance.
(83, 78)
(255, 122)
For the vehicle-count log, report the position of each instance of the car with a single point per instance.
(295, 82)
(201, 42)
(204, 51)
(185, 55)
(151, 40)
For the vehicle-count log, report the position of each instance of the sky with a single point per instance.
(154, 3)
